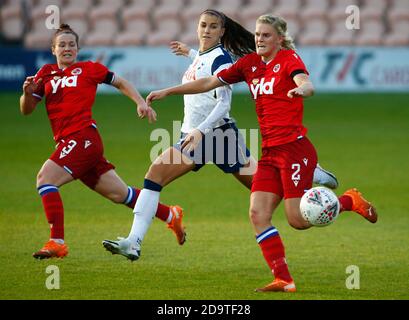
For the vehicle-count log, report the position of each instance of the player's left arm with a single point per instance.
(128, 90)
(222, 107)
(304, 86)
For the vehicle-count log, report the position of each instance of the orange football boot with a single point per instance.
(176, 224)
(278, 285)
(361, 206)
(51, 249)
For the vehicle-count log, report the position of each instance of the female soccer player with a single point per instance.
(205, 126)
(278, 81)
(70, 87)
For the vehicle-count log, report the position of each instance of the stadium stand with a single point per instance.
(134, 32)
(189, 36)
(314, 9)
(12, 15)
(314, 32)
(372, 33)
(138, 9)
(339, 35)
(399, 10)
(167, 9)
(372, 9)
(230, 8)
(337, 10)
(194, 7)
(399, 34)
(288, 9)
(253, 9)
(166, 30)
(156, 22)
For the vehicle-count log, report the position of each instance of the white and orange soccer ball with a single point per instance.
(319, 206)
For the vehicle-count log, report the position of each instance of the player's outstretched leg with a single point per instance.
(172, 215)
(123, 247)
(358, 204)
(144, 213)
(325, 178)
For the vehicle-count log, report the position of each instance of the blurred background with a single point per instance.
(131, 37)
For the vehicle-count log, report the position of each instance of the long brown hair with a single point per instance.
(236, 39)
(64, 28)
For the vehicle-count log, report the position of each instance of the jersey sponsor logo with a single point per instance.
(190, 73)
(76, 71)
(305, 160)
(259, 87)
(63, 82)
(68, 148)
(276, 68)
(253, 69)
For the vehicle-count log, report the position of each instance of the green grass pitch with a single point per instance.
(362, 138)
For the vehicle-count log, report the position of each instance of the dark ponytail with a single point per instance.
(64, 28)
(236, 39)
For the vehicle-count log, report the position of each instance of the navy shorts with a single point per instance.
(224, 146)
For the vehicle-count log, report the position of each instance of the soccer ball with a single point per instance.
(319, 206)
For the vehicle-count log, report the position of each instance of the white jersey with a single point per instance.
(208, 110)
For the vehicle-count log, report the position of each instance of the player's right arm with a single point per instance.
(28, 102)
(196, 86)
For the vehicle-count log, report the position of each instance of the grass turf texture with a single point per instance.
(362, 138)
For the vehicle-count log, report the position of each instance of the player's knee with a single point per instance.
(154, 175)
(258, 217)
(298, 223)
(116, 197)
(41, 178)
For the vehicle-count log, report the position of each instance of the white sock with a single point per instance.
(144, 212)
(59, 241)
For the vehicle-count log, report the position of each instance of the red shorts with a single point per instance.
(286, 170)
(81, 154)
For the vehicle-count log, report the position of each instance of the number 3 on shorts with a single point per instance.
(68, 148)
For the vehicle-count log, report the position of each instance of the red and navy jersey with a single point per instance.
(280, 117)
(70, 94)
